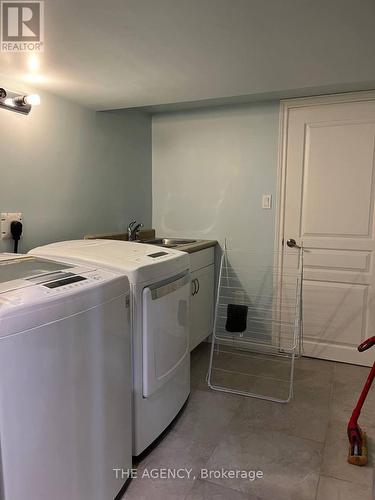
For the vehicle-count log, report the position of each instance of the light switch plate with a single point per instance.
(6, 219)
(267, 201)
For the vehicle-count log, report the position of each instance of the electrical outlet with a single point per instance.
(6, 219)
(267, 201)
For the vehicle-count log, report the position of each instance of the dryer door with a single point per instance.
(165, 331)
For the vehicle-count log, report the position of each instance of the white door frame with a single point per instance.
(285, 107)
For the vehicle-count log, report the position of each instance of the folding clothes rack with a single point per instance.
(258, 324)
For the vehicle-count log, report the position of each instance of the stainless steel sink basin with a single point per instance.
(168, 242)
(177, 241)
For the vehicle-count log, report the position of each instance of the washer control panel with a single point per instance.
(58, 283)
(64, 281)
(71, 281)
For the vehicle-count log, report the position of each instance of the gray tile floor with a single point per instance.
(300, 447)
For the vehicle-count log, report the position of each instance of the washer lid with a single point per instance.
(15, 269)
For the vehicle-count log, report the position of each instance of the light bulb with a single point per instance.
(32, 99)
(33, 63)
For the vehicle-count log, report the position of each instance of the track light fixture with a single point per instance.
(16, 102)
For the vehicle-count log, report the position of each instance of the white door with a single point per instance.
(328, 205)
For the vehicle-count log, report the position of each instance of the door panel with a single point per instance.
(329, 207)
(338, 155)
(342, 260)
(323, 300)
(202, 305)
(165, 332)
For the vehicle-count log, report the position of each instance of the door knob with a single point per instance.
(292, 243)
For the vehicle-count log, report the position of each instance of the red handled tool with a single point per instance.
(357, 438)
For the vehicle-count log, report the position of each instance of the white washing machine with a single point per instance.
(65, 385)
(160, 285)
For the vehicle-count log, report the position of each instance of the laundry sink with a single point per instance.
(177, 241)
(168, 242)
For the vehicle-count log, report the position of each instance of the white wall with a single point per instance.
(72, 171)
(152, 52)
(210, 169)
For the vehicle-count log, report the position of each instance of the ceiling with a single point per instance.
(135, 53)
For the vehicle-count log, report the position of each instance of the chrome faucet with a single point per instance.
(133, 229)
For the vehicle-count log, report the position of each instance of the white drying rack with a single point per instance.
(261, 295)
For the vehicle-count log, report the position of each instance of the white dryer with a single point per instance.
(65, 385)
(160, 286)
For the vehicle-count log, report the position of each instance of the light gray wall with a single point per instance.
(210, 169)
(72, 171)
